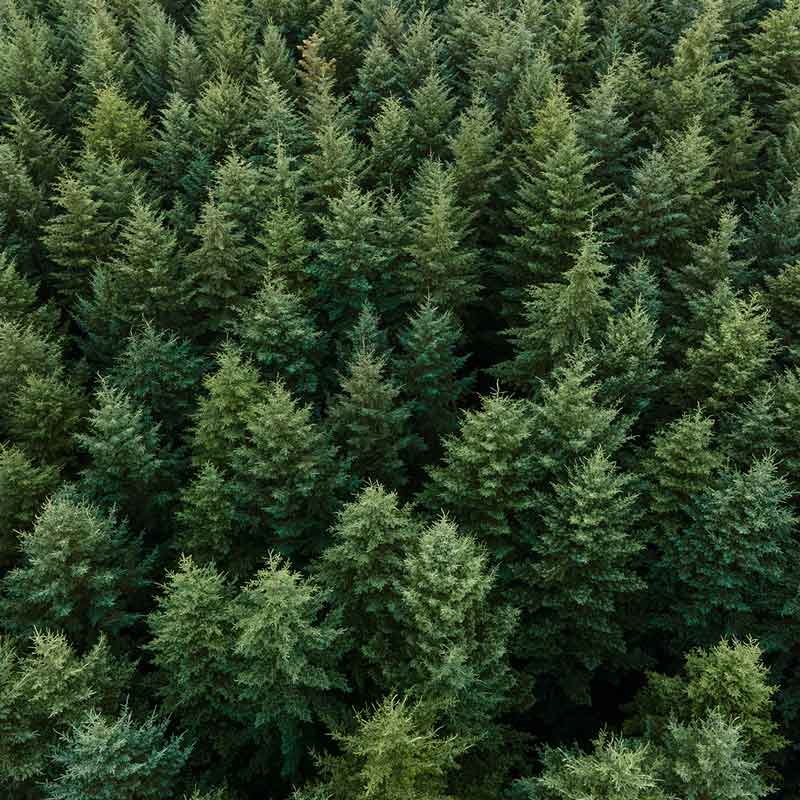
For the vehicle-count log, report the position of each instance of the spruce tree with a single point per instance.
(118, 757)
(196, 663)
(289, 477)
(80, 573)
(431, 116)
(444, 265)
(187, 68)
(289, 644)
(370, 422)
(24, 486)
(239, 191)
(220, 422)
(276, 331)
(224, 36)
(432, 371)
(392, 155)
(223, 116)
(124, 469)
(153, 41)
(363, 566)
(583, 573)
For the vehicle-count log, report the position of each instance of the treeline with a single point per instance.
(399, 400)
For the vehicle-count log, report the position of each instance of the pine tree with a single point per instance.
(289, 643)
(223, 116)
(275, 118)
(275, 330)
(772, 238)
(332, 163)
(240, 193)
(392, 155)
(45, 689)
(457, 640)
(395, 752)
(275, 60)
(444, 264)
(113, 758)
(220, 422)
(125, 464)
(289, 477)
(29, 67)
(431, 117)
(224, 36)
(707, 592)
(24, 352)
(363, 566)
(19, 299)
(24, 485)
(377, 80)
(80, 573)
(286, 249)
(187, 68)
(221, 273)
(196, 662)
(342, 41)
(559, 317)
(582, 574)
(431, 372)
(115, 125)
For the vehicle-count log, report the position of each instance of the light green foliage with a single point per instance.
(289, 645)
(220, 422)
(115, 125)
(395, 753)
(363, 566)
(80, 573)
(113, 758)
(46, 687)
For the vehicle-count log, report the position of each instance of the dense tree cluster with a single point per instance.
(399, 399)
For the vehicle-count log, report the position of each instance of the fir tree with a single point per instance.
(363, 566)
(187, 68)
(80, 573)
(431, 116)
(275, 330)
(288, 643)
(24, 485)
(125, 465)
(444, 265)
(222, 416)
(370, 422)
(431, 371)
(289, 477)
(240, 193)
(19, 299)
(223, 116)
(392, 154)
(582, 574)
(153, 38)
(118, 757)
(224, 36)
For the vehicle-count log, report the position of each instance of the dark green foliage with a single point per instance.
(261, 265)
(80, 573)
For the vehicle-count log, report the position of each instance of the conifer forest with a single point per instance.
(399, 400)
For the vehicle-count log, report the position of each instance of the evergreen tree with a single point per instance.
(239, 192)
(289, 644)
(456, 638)
(288, 476)
(223, 116)
(392, 156)
(348, 259)
(24, 485)
(582, 574)
(45, 688)
(221, 272)
(333, 161)
(444, 265)
(187, 68)
(430, 117)
(224, 36)
(395, 752)
(196, 663)
(222, 415)
(431, 372)
(370, 423)
(125, 465)
(559, 317)
(110, 758)
(153, 41)
(363, 566)
(80, 573)
(275, 330)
